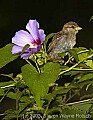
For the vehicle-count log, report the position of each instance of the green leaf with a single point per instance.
(78, 76)
(8, 75)
(91, 18)
(24, 48)
(72, 72)
(74, 54)
(49, 36)
(89, 63)
(39, 82)
(11, 95)
(82, 56)
(83, 106)
(49, 96)
(86, 96)
(6, 55)
(54, 109)
(86, 77)
(10, 114)
(62, 55)
(25, 99)
(81, 50)
(3, 84)
(1, 92)
(57, 91)
(23, 106)
(61, 90)
(87, 87)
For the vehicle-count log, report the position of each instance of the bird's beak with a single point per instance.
(78, 28)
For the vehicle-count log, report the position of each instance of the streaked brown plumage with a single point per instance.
(63, 40)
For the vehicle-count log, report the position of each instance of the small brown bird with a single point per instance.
(63, 40)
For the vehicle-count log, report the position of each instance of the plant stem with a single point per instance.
(75, 65)
(4, 95)
(78, 102)
(37, 64)
(70, 98)
(17, 100)
(83, 51)
(28, 62)
(8, 86)
(47, 107)
(80, 69)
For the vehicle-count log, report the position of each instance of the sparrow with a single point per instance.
(63, 40)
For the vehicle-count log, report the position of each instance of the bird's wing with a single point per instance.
(55, 39)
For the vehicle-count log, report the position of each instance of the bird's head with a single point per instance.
(71, 27)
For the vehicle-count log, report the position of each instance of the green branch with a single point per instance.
(75, 64)
(83, 101)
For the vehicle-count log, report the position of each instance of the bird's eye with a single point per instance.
(73, 26)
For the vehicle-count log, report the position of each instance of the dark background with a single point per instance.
(51, 14)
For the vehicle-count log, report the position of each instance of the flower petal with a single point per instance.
(35, 39)
(22, 38)
(16, 49)
(26, 55)
(35, 50)
(41, 35)
(32, 26)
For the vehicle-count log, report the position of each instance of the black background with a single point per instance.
(51, 14)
